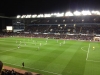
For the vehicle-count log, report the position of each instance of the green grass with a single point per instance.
(51, 58)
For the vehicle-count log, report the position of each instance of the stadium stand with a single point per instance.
(70, 27)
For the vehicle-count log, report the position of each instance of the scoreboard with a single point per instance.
(9, 28)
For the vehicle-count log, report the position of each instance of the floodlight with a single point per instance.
(77, 13)
(86, 13)
(92, 11)
(47, 15)
(96, 12)
(33, 16)
(65, 24)
(28, 16)
(18, 16)
(23, 16)
(60, 14)
(40, 15)
(51, 14)
(69, 14)
(55, 14)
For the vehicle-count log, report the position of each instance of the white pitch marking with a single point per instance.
(83, 49)
(88, 52)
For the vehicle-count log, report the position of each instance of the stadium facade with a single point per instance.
(84, 23)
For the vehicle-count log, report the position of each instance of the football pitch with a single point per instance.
(51, 56)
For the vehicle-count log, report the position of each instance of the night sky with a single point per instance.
(14, 7)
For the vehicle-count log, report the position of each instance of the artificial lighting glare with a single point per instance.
(47, 15)
(18, 16)
(60, 14)
(40, 15)
(95, 11)
(86, 12)
(33, 16)
(23, 16)
(98, 13)
(69, 13)
(28, 16)
(77, 13)
(57, 14)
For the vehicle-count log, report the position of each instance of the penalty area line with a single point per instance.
(83, 49)
(88, 52)
(33, 68)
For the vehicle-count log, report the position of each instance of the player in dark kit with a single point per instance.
(23, 64)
